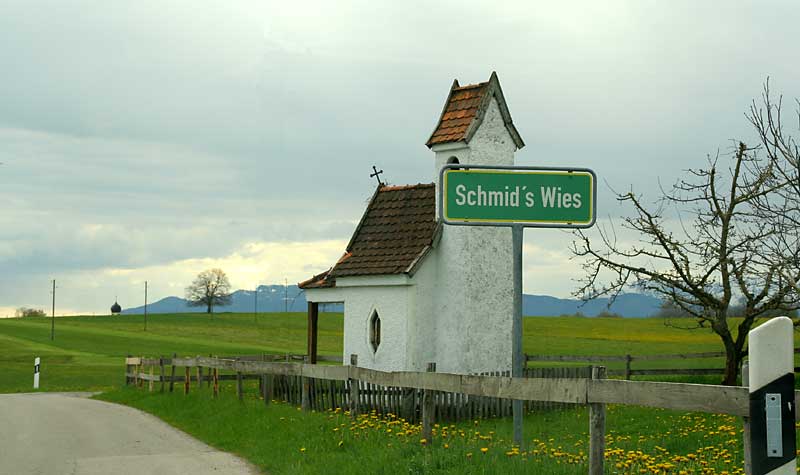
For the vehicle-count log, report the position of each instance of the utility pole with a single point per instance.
(145, 305)
(255, 305)
(285, 295)
(53, 317)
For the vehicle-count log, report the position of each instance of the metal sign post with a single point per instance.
(516, 330)
(517, 197)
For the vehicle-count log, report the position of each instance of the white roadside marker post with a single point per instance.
(772, 408)
(36, 373)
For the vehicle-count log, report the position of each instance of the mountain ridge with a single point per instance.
(277, 298)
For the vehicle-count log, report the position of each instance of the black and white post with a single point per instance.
(36, 363)
(772, 411)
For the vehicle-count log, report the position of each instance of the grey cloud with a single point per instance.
(186, 129)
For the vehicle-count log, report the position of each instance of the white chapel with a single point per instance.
(417, 291)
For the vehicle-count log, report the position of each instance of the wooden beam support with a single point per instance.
(313, 330)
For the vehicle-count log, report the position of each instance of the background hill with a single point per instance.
(276, 298)
(626, 305)
(271, 298)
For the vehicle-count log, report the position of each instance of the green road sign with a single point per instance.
(507, 196)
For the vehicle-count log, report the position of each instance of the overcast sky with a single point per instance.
(153, 140)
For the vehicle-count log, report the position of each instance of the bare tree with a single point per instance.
(211, 287)
(734, 245)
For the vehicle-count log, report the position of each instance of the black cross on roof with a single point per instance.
(375, 174)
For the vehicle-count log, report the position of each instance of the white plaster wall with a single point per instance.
(424, 322)
(393, 309)
(492, 144)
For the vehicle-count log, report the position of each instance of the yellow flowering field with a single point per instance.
(686, 443)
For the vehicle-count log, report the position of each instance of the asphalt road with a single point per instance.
(68, 434)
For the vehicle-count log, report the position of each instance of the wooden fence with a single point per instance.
(361, 390)
(628, 359)
(330, 394)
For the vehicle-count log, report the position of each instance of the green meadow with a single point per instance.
(88, 352)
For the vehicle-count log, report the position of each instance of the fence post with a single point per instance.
(353, 389)
(428, 408)
(261, 378)
(161, 371)
(208, 380)
(239, 387)
(628, 359)
(186, 380)
(216, 383)
(150, 382)
(597, 429)
(305, 397)
(266, 387)
(172, 376)
(199, 376)
(748, 466)
(127, 371)
(772, 408)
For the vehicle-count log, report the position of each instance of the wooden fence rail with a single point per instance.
(628, 359)
(679, 396)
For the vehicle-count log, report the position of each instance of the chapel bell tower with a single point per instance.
(471, 324)
(475, 127)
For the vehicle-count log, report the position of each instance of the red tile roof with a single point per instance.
(395, 232)
(459, 112)
(464, 110)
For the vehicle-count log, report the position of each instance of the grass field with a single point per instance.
(87, 354)
(87, 351)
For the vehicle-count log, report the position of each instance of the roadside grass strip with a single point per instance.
(280, 439)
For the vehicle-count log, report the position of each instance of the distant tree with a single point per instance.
(669, 310)
(211, 287)
(29, 312)
(608, 314)
(734, 249)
